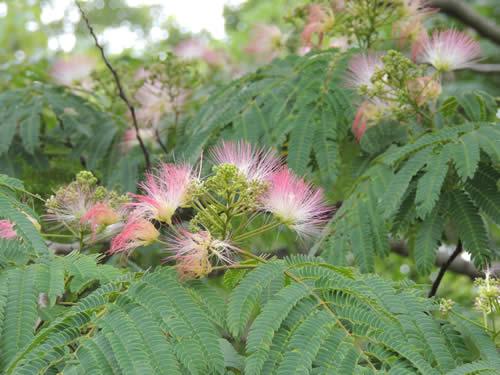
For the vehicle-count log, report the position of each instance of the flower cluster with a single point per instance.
(394, 86)
(82, 207)
(488, 295)
(7, 230)
(161, 92)
(245, 182)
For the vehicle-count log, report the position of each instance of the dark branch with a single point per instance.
(442, 271)
(465, 14)
(121, 91)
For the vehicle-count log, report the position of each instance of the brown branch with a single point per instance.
(442, 271)
(465, 14)
(121, 91)
(485, 68)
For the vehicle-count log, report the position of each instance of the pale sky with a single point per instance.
(191, 15)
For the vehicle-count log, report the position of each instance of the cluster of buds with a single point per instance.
(488, 295)
(85, 207)
(245, 182)
(394, 85)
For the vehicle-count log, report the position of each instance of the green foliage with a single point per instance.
(42, 114)
(15, 211)
(446, 176)
(315, 319)
(298, 103)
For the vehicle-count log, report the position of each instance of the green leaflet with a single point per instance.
(427, 241)
(471, 229)
(401, 181)
(429, 185)
(465, 155)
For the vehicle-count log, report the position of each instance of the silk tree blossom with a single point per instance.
(359, 124)
(319, 20)
(265, 42)
(197, 49)
(195, 252)
(67, 71)
(361, 70)
(164, 192)
(130, 138)
(69, 205)
(7, 230)
(137, 232)
(100, 215)
(446, 50)
(155, 100)
(424, 89)
(369, 113)
(296, 203)
(411, 26)
(253, 163)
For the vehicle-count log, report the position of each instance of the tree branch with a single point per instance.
(442, 271)
(121, 91)
(465, 14)
(485, 68)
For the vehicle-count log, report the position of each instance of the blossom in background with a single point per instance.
(193, 252)
(424, 89)
(137, 232)
(197, 49)
(155, 100)
(164, 192)
(319, 20)
(100, 215)
(361, 70)
(7, 230)
(296, 203)
(446, 50)
(265, 42)
(130, 139)
(252, 162)
(72, 69)
(341, 42)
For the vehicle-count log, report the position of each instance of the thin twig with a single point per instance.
(442, 271)
(158, 139)
(121, 91)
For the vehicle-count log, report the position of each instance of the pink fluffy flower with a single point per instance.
(318, 21)
(361, 70)
(7, 230)
(100, 215)
(253, 163)
(265, 42)
(197, 49)
(73, 69)
(129, 139)
(69, 204)
(164, 192)
(296, 203)
(194, 252)
(446, 50)
(359, 123)
(155, 99)
(135, 233)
